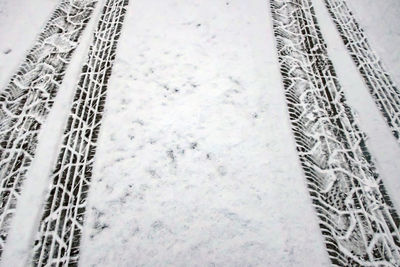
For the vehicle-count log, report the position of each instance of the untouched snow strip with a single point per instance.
(26, 101)
(196, 163)
(30, 204)
(380, 141)
(357, 219)
(380, 84)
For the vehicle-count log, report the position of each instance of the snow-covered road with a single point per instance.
(193, 160)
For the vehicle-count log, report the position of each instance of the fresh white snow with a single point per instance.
(196, 163)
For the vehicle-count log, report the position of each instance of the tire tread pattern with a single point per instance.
(27, 100)
(356, 216)
(58, 238)
(380, 84)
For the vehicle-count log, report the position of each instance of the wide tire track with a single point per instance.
(381, 86)
(357, 219)
(61, 225)
(26, 101)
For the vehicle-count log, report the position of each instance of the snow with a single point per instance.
(26, 220)
(196, 162)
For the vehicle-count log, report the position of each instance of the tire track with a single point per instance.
(61, 225)
(356, 216)
(381, 86)
(27, 100)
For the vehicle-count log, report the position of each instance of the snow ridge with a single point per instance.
(381, 86)
(357, 218)
(26, 101)
(60, 228)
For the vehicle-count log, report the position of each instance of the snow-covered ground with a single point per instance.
(20, 23)
(200, 166)
(196, 162)
(380, 140)
(380, 20)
